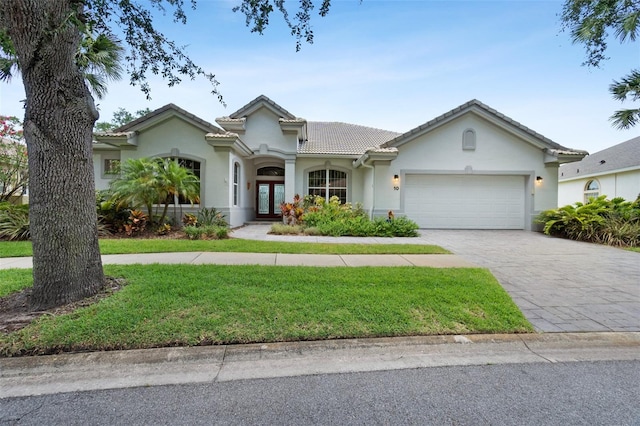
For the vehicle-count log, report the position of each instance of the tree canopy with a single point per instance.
(593, 23)
(120, 118)
(45, 37)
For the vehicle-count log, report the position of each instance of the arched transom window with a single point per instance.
(327, 183)
(591, 190)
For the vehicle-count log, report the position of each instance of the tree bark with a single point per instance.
(58, 124)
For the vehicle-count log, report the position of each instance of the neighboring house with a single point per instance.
(470, 168)
(614, 172)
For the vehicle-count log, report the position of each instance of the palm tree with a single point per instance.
(137, 185)
(175, 183)
(98, 58)
(145, 182)
(628, 87)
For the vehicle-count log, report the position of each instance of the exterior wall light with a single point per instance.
(396, 182)
(539, 179)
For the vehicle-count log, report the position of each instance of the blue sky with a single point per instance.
(394, 65)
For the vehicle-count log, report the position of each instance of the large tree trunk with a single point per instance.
(58, 124)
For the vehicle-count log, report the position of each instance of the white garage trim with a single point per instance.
(467, 201)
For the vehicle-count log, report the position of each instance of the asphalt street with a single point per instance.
(574, 393)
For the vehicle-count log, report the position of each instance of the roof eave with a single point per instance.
(227, 142)
(118, 139)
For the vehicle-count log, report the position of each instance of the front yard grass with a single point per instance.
(133, 245)
(170, 305)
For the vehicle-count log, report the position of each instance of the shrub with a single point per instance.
(320, 217)
(163, 229)
(14, 222)
(190, 220)
(281, 229)
(613, 222)
(192, 232)
(206, 232)
(211, 217)
(111, 216)
(136, 224)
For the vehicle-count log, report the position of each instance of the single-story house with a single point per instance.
(614, 172)
(470, 168)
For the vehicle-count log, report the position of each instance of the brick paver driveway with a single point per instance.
(559, 285)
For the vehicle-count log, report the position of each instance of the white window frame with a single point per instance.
(591, 192)
(327, 179)
(236, 183)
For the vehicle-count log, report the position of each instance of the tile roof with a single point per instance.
(342, 138)
(622, 156)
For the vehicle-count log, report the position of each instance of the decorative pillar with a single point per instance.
(289, 179)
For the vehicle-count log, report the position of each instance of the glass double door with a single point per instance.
(270, 196)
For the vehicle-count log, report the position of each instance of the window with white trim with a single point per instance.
(327, 183)
(591, 190)
(236, 184)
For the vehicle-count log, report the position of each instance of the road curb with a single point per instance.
(50, 374)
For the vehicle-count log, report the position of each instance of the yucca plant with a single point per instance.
(14, 223)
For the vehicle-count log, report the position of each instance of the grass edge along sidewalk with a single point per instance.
(131, 246)
(188, 305)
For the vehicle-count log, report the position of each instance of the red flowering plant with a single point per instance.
(292, 212)
(14, 170)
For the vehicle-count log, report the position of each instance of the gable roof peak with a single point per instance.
(171, 107)
(262, 101)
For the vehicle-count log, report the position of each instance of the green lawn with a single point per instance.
(124, 246)
(636, 249)
(167, 305)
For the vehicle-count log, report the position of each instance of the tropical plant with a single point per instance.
(137, 223)
(137, 185)
(98, 58)
(14, 222)
(175, 183)
(612, 222)
(145, 182)
(111, 215)
(189, 220)
(211, 217)
(312, 215)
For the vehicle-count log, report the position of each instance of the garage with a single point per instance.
(465, 201)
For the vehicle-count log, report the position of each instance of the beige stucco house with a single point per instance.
(470, 168)
(614, 172)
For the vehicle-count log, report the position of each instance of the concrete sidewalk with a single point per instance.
(151, 367)
(201, 258)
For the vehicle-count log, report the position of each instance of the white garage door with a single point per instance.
(465, 201)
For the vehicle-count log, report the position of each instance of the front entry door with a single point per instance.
(270, 196)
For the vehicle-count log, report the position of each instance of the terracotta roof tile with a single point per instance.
(342, 138)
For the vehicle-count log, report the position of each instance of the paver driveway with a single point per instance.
(560, 285)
